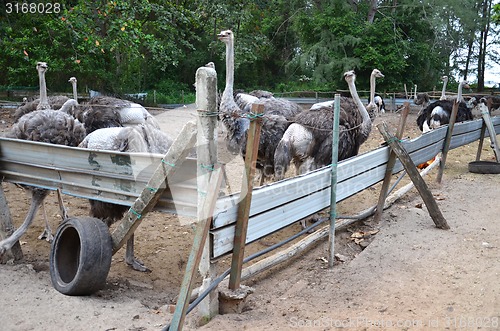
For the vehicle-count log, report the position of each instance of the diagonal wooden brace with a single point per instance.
(417, 180)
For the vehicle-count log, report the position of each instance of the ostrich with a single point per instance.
(438, 113)
(43, 102)
(308, 141)
(104, 112)
(278, 114)
(140, 138)
(421, 99)
(49, 126)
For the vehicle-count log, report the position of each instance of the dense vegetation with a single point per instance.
(283, 45)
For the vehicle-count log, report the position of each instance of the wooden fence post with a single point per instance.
(411, 169)
(6, 229)
(206, 154)
(390, 165)
(199, 242)
(333, 187)
(244, 206)
(447, 141)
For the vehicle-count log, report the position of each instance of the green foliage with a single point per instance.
(144, 45)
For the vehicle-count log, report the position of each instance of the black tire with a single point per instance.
(484, 167)
(80, 256)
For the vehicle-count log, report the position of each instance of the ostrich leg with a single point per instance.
(38, 195)
(131, 260)
(47, 232)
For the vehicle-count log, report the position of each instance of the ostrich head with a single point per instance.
(41, 67)
(72, 80)
(226, 36)
(444, 79)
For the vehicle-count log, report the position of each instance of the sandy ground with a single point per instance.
(410, 276)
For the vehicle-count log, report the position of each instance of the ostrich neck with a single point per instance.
(227, 95)
(443, 92)
(459, 95)
(372, 88)
(44, 101)
(361, 107)
(75, 94)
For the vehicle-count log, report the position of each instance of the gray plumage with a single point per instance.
(278, 113)
(55, 103)
(139, 138)
(105, 112)
(308, 141)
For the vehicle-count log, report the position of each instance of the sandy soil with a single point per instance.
(410, 276)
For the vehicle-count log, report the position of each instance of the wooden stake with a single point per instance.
(390, 164)
(200, 237)
(154, 188)
(481, 141)
(7, 229)
(491, 130)
(333, 186)
(447, 141)
(420, 184)
(240, 234)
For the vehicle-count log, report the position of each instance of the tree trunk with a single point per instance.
(372, 11)
(481, 66)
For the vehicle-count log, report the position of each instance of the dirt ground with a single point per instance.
(408, 276)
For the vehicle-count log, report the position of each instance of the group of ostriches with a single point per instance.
(289, 133)
(102, 123)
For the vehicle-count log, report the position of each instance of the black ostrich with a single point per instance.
(438, 113)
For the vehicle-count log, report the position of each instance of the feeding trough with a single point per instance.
(484, 167)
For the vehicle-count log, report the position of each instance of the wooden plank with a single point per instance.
(200, 237)
(333, 185)
(390, 165)
(417, 180)
(241, 227)
(170, 163)
(446, 146)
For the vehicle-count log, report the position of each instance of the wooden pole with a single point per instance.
(206, 159)
(244, 206)
(6, 230)
(420, 184)
(200, 238)
(481, 141)
(390, 165)
(491, 130)
(154, 188)
(447, 141)
(333, 187)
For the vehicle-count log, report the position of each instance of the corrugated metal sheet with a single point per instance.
(105, 175)
(283, 203)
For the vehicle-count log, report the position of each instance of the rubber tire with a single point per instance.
(484, 167)
(80, 256)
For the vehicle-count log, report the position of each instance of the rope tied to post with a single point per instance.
(135, 213)
(209, 167)
(253, 116)
(168, 163)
